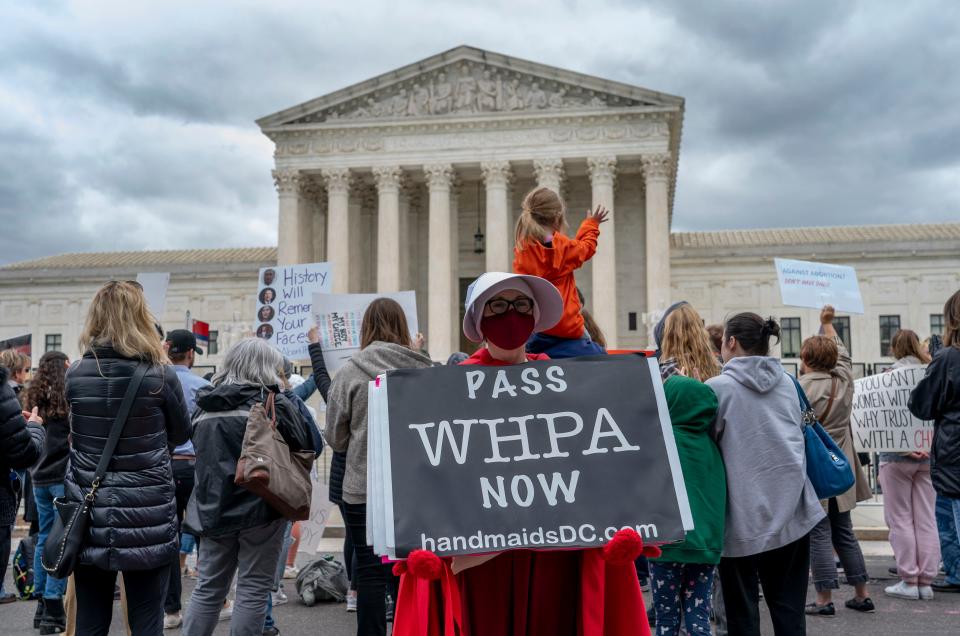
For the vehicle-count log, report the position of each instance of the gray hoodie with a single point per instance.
(346, 428)
(770, 501)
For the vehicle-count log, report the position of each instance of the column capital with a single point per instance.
(387, 178)
(548, 171)
(287, 181)
(337, 179)
(602, 169)
(311, 188)
(656, 167)
(496, 172)
(439, 175)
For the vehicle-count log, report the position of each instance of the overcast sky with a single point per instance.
(128, 127)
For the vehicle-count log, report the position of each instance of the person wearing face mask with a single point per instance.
(522, 592)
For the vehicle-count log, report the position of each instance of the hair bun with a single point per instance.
(770, 327)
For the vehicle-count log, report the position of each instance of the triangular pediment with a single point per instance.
(465, 82)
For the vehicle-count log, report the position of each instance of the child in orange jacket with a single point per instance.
(542, 249)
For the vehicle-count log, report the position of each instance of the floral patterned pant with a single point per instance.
(681, 592)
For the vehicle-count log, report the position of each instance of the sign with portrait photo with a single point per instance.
(284, 298)
(551, 454)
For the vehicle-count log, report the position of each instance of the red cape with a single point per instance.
(525, 592)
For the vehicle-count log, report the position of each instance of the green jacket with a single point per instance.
(693, 406)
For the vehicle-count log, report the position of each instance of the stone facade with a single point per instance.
(390, 179)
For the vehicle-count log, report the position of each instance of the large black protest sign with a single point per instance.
(550, 454)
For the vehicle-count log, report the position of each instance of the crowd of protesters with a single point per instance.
(759, 526)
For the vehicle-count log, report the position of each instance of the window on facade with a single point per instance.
(213, 347)
(53, 342)
(936, 324)
(842, 325)
(790, 338)
(889, 325)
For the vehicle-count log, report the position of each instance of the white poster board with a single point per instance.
(813, 285)
(155, 289)
(284, 298)
(880, 418)
(338, 318)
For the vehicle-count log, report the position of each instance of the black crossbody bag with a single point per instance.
(61, 551)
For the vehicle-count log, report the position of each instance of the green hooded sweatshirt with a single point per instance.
(693, 406)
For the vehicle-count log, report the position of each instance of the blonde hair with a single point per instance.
(118, 317)
(906, 343)
(686, 341)
(543, 213)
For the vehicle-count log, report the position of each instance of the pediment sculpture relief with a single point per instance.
(468, 88)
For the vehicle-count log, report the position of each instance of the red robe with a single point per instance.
(525, 592)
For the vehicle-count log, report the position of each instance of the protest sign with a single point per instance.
(22, 344)
(808, 284)
(155, 289)
(338, 318)
(550, 454)
(880, 418)
(284, 297)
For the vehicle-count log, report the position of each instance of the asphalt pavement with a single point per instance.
(894, 617)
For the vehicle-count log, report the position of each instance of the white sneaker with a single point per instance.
(903, 590)
(290, 572)
(227, 611)
(279, 598)
(926, 593)
(352, 601)
(172, 621)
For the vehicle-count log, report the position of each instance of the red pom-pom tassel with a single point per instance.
(424, 564)
(399, 568)
(625, 546)
(651, 551)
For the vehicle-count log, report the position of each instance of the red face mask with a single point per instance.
(508, 330)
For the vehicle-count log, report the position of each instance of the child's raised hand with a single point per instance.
(600, 214)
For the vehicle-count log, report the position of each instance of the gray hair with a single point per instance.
(250, 361)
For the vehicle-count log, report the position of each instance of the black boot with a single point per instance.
(54, 619)
(38, 614)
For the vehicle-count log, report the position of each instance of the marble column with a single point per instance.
(389, 267)
(294, 222)
(442, 339)
(604, 263)
(499, 248)
(338, 227)
(656, 175)
(316, 200)
(549, 173)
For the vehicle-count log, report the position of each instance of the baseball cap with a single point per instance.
(182, 341)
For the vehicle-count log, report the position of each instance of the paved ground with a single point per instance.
(893, 617)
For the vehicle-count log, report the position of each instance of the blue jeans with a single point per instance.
(948, 527)
(278, 579)
(50, 587)
(681, 592)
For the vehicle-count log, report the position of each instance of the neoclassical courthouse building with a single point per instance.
(413, 180)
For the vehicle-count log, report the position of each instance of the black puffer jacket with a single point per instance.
(937, 398)
(53, 464)
(21, 444)
(219, 507)
(134, 521)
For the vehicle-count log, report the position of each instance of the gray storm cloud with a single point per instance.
(123, 127)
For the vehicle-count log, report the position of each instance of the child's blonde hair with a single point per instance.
(543, 213)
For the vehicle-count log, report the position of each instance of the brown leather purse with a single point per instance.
(269, 469)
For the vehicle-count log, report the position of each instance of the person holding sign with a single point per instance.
(759, 429)
(937, 397)
(542, 249)
(827, 379)
(909, 498)
(589, 592)
(384, 344)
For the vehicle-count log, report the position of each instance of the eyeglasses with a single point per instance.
(521, 305)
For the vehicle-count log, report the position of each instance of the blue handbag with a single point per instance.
(827, 466)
